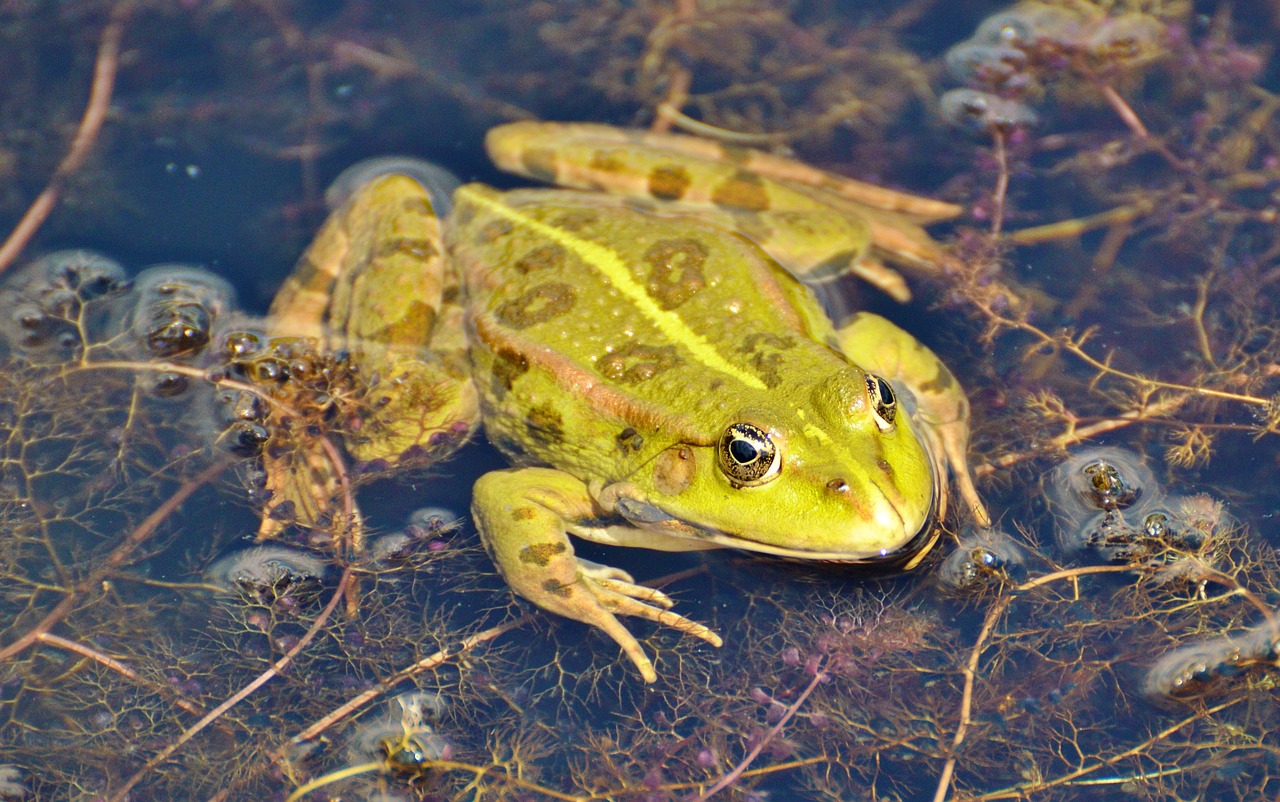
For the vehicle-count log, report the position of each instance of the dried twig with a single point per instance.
(95, 112)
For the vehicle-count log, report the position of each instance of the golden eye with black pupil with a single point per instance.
(883, 401)
(748, 456)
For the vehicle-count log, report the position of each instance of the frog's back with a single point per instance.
(603, 333)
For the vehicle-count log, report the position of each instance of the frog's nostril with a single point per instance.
(838, 486)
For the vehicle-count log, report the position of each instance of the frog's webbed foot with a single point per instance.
(521, 516)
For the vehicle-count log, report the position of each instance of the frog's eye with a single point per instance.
(748, 456)
(883, 401)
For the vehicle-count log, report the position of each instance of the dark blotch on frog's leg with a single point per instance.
(669, 182)
(538, 305)
(540, 163)
(607, 161)
(753, 226)
(523, 514)
(736, 155)
(743, 190)
(419, 205)
(540, 554)
(558, 588)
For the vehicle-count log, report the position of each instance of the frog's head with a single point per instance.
(833, 472)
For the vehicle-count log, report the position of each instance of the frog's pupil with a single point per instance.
(886, 392)
(743, 451)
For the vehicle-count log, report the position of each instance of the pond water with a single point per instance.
(213, 587)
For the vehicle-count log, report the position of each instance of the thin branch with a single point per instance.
(95, 112)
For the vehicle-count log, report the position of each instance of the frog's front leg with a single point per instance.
(523, 516)
(942, 409)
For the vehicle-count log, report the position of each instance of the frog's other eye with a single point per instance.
(883, 401)
(748, 456)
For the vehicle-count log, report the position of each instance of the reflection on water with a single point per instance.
(1114, 278)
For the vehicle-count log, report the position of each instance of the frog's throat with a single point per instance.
(652, 520)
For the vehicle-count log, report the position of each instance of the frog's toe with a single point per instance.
(601, 618)
(627, 587)
(625, 604)
(613, 596)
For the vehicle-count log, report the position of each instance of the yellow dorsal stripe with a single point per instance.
(615, 271)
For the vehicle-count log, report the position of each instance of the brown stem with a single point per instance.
(1002, 183)
(111, 663)
(95, 112)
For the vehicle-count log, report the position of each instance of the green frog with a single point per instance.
(643, 346)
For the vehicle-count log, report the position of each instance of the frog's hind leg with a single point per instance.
(373, 284)
(942, 409)
(522, 516)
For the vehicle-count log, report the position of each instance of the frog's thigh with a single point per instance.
(522, 516)
(942, 407)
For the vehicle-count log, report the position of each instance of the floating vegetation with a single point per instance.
(266, 573)
(982, 562)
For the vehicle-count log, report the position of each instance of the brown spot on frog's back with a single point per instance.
(491, 232)
(508, 365)
(675, 270)
(543, 257)
(576, 219)
(538, 305)
(669, 182)
(634, 363)
(766, 353)
(742, 190)
(630, 440)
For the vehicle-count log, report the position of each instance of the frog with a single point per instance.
(644, 344)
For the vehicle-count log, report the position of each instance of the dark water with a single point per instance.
(1112, 640)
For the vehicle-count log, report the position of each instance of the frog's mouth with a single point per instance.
(904, 558)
